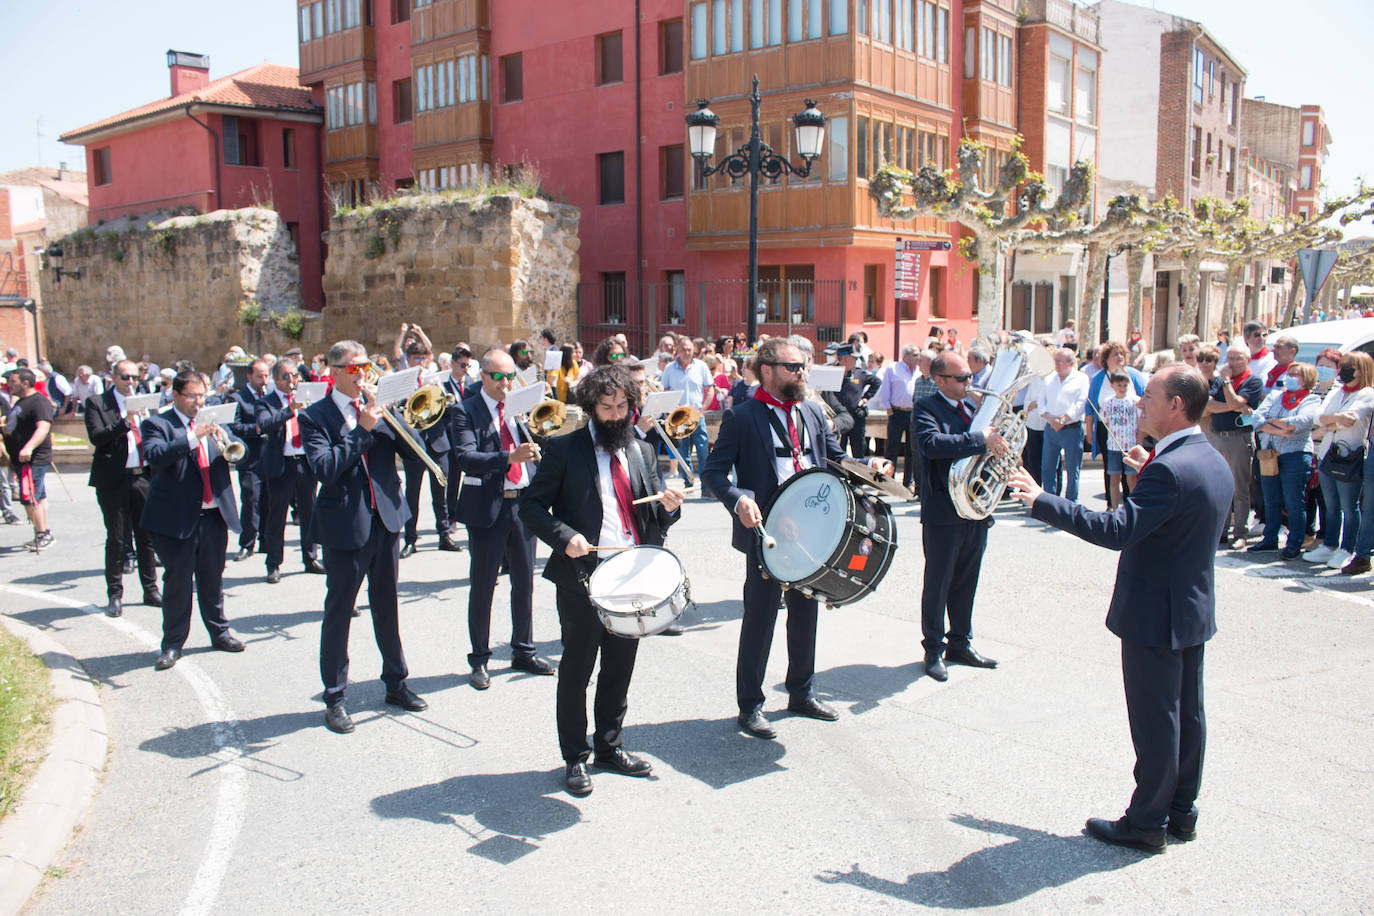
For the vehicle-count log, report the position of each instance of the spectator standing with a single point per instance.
(1066, 397)
(895, 396)
(978, 365)
(1343, 426)
(1261, 357)
(1235, 394)
(1285, 420)
(87, 385)
(1110, 357)
(28, 437)
(1119, 413)
(1285, 350)
(690, 376)
(1065, 335)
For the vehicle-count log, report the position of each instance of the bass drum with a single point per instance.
(834, 541)
(639, 591)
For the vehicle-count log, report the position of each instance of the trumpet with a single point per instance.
(233, 449)
(370, 375)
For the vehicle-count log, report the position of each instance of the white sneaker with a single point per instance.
(1320, 554)
(1339, 559)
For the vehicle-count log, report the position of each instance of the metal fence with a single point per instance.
(708, 308)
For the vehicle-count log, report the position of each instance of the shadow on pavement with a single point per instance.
(872, 683)
(258, 734)
(517, 807)
(713, 751)
(712, 612)
(64, 579)
(996, 875)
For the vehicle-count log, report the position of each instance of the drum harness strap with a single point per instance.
(785, 450)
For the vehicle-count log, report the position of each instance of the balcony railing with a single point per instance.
(1066, 14)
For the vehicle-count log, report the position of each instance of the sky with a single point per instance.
(81, 61)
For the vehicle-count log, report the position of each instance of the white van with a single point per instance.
(1345, 335)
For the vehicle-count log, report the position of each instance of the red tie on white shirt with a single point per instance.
(507, 442)
(293, 429)
(207, 494)
(371, 496)
(624, 498)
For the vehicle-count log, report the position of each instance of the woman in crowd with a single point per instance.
(1206, 357)
(1343, 429)
(579, 357)
(1327, 363)
(1284, 423)
(562, 379)
(1111, 357)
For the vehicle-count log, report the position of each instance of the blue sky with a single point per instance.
(86, 60)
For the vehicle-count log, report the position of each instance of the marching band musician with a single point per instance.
(189, 513)
(953, 545)
(436, 443)
(497, 470)
(459, 384)
(766, 440)
(358, 518)
(284, 471)
(245, 428)
(583, 498)
(119, 474)
(642, 426)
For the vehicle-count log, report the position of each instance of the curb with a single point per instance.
(65, 783)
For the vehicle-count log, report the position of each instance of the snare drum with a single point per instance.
(640, 591)
(834, 541)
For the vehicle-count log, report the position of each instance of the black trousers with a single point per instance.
(1030, 454)
(583, 637)
(122, 506)
(899, 443)
(1168, 729)
(856, 440)
(297, 484)
(252, 507)
(193, 564)
(416, 472)
(344, 570)
(756, 637)
(954, 556)
(506, 540)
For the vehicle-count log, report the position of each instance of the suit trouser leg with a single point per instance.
(250, 501)
(583, 636)
(1033, 452)
(210, 547)
(971, 542)
(899, 442)
(383, 574)
(274, 523)
(114, 506)
(343, 576)
(802, 614)
(1153, 679)
(1192, 734)
(755, 635)
(178, 557)
(520, 564)
(486, 549)
(438, 499)
(938, 542)
(136, 496)
(303, 486)
(415, 477)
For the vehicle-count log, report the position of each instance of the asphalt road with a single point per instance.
(224, 793)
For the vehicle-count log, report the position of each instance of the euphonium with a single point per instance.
(425, 407)
(682, 422)
(977, 483)
(548, 417)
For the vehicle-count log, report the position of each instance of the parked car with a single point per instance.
(1346, 335)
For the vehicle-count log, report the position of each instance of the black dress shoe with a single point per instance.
(408, 550)
(313, 565)
(755, 724)
(534, 665)
(1261, 547)
(167, 659)
(336, 720)
(407, 699)
(1121, 832)
(448, 543)
(479, 679)
(227, 643)
(624, 763)
(273, 576)
(812, 708)
(578, 780)
(935, 667)
(153, 598)
(115, 608)
(1291, 553)
(968, 656)
(673, 630)
(243, 554)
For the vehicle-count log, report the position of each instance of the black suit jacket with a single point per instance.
(174, 493)
(270, 419)
(1167, 531)
(245, 426)
(461, 392)
(745, 443)
(567, 487)
(109, 433)
(478, 454)
(942, 438)
(343, 514)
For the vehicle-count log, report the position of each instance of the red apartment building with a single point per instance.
(1296, 139)
(248, 139)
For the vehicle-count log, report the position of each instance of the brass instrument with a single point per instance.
(681, 423)
(233, 449)
(827, 411)
(371, 374)
(548, 418)
(426, 407)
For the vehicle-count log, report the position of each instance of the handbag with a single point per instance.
(1268, 462)
(1343, 463)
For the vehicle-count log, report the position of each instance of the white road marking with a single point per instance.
(227, 734)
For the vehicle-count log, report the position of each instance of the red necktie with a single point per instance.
(207, 495)
(507, 443)
(1148, 458)
(624, 498)
(786, 407)
(293, 426)
(367, 472)
(138, 443)
(963, 412)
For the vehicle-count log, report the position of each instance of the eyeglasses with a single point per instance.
(125, 377)
(958, 378)
(1206, 359)
(788, 367)
(501, 376)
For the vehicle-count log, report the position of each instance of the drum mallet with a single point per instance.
(769, 542)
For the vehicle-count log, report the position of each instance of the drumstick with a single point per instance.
(626, 547)
(769, 542)
(657, 496)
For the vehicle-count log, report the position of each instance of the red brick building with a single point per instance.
(248, 139)
(1296, 139)
(37, 205)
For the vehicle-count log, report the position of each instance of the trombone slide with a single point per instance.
(417, 445)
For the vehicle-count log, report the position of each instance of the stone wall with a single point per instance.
(485, 270)
(174, 288)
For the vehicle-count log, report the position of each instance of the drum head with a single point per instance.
(635, 579)
(807, 516)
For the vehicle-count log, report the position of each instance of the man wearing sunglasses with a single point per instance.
(437, 445)
(359, 514)
(953, 545)
(119, 474)
(498, 464)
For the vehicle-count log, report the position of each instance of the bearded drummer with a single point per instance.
(582, 504)
(765, 441)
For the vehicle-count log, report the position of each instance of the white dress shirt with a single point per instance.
(1065, 397)
(524, 480)
(135, 459)
(612, 531)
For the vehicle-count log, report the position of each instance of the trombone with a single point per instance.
(681, 423)
(371, 374)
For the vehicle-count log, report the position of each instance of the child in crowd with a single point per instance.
(1119, 413)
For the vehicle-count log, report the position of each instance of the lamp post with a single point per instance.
(753, 159)
(54, 256)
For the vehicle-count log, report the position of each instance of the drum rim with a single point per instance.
(638, 612)
(850, 490)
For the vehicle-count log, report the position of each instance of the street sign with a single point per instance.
(907, 276)
(916, 245)
(1316, 265)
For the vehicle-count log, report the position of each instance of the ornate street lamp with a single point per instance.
(753, 159)
(54, 256)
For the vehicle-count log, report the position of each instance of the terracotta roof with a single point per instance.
(269, 86)
(71, 184)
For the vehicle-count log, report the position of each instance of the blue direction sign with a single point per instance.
(1316, 265)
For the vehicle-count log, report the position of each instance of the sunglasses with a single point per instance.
(525, 352)
(502, 376)
(958, 378)
(788, 367)
(353, 368)
(615, 355)
(124, 377)
(1206, 359)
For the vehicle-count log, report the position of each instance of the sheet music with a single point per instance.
(398, 386)
(146, 402)
(219, 415)
(528, 376)
(553, 360)
(660, 402)
(523, 400)
(826, 378)
(310, 392)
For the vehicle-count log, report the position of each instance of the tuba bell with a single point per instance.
(426, 406)
(978, 482)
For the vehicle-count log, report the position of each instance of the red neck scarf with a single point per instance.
(1263, 352)
(1292, 399)
(1351, 388)
(761, 394)
(1274, 375)
(786, 406)
(1238, 380)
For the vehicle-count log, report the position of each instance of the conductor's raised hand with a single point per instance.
(1136, 457)
(578, 546)
(748, 512)
(1021, 485)
(997, 445)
